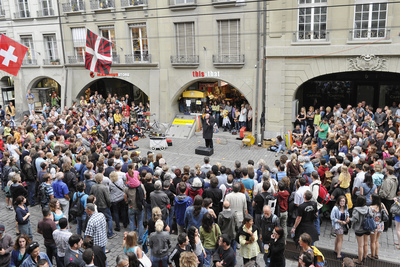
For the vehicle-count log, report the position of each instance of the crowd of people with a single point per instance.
(80, 166)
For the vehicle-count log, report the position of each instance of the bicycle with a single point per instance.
(155, 128)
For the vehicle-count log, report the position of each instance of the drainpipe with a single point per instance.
(264, 64)
(63, 99)
(257, 107)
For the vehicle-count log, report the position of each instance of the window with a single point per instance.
(185, 47)
(181, 2)
(228, 40)
(23, 9)
(140, 47)
(50, 44)
(312, 20)
(1, 9)
(79, 40)
(108, 33)
(370, 20)
(47, 8)
(30, 57)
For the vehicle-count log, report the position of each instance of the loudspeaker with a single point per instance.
(205, 151)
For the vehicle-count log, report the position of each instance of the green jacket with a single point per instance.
(210, 240)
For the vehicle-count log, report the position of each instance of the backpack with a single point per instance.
(140, 199)
(369, 223)
(77, 208)
(82, 172)
(272, 201)
(319, 259)
(229, 189)
(323, 196)
(44, 198)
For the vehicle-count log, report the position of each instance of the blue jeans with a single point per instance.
(132, 213)
(278, 149)
(319, 140)
(79, 223)
(234, 246)
(118, 207)
(148, 211)
(201, 259)
(31, 192)
(316, 223)
(107, 214)
(207, 259)
(156, 261)
(170, 217)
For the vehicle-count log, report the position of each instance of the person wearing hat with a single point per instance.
(34, 256)
(6, 245)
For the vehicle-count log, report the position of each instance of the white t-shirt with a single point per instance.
(358, 181)
(12, 149)
(299, 195)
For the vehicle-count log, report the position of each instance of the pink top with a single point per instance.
(133, 181)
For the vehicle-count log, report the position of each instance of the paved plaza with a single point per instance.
(226, 152)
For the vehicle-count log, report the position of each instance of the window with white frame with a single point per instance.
(312, 20)
(23, 9)
(79, 41)
(228, 40)
(181, 2)
(370, 19)
(139, 41)
(1, 9)
(50, 44)
(30, 57)
(108, 32)
(185, 46)
(47, 8)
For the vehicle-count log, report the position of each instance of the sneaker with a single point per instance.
(114, 235)
(11, 208)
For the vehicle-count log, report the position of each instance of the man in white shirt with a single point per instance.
(298, 197)
(238, 202)
(359, 179)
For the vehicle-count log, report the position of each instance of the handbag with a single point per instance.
(345, 229)
(145, 261)
(395, 209)
(385, 215)
(369, 223)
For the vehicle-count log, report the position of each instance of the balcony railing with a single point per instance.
(144, 58)
(357, 35)
(317, 36)
(22, 14)
(73, 6)
(133, 3)
(76, 59)
(102, 4)
(45, 12)
(182, 2)
(28, 61)
(51, 61)
(191, 59)
(228, 59)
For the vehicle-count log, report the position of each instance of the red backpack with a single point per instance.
(323, 195)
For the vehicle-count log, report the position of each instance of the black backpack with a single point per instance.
(140, 199)
(44, 198)
(77, 208)
(272, 201)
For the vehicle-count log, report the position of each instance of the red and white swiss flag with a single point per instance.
(11, 55)
(98, 53)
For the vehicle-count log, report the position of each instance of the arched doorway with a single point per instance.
(46, 90)
(7, 90)
(115, 87)
(377, 89)
(196, 95)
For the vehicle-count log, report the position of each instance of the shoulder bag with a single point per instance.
(395, 209)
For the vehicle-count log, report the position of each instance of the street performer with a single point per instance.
(208, 130)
